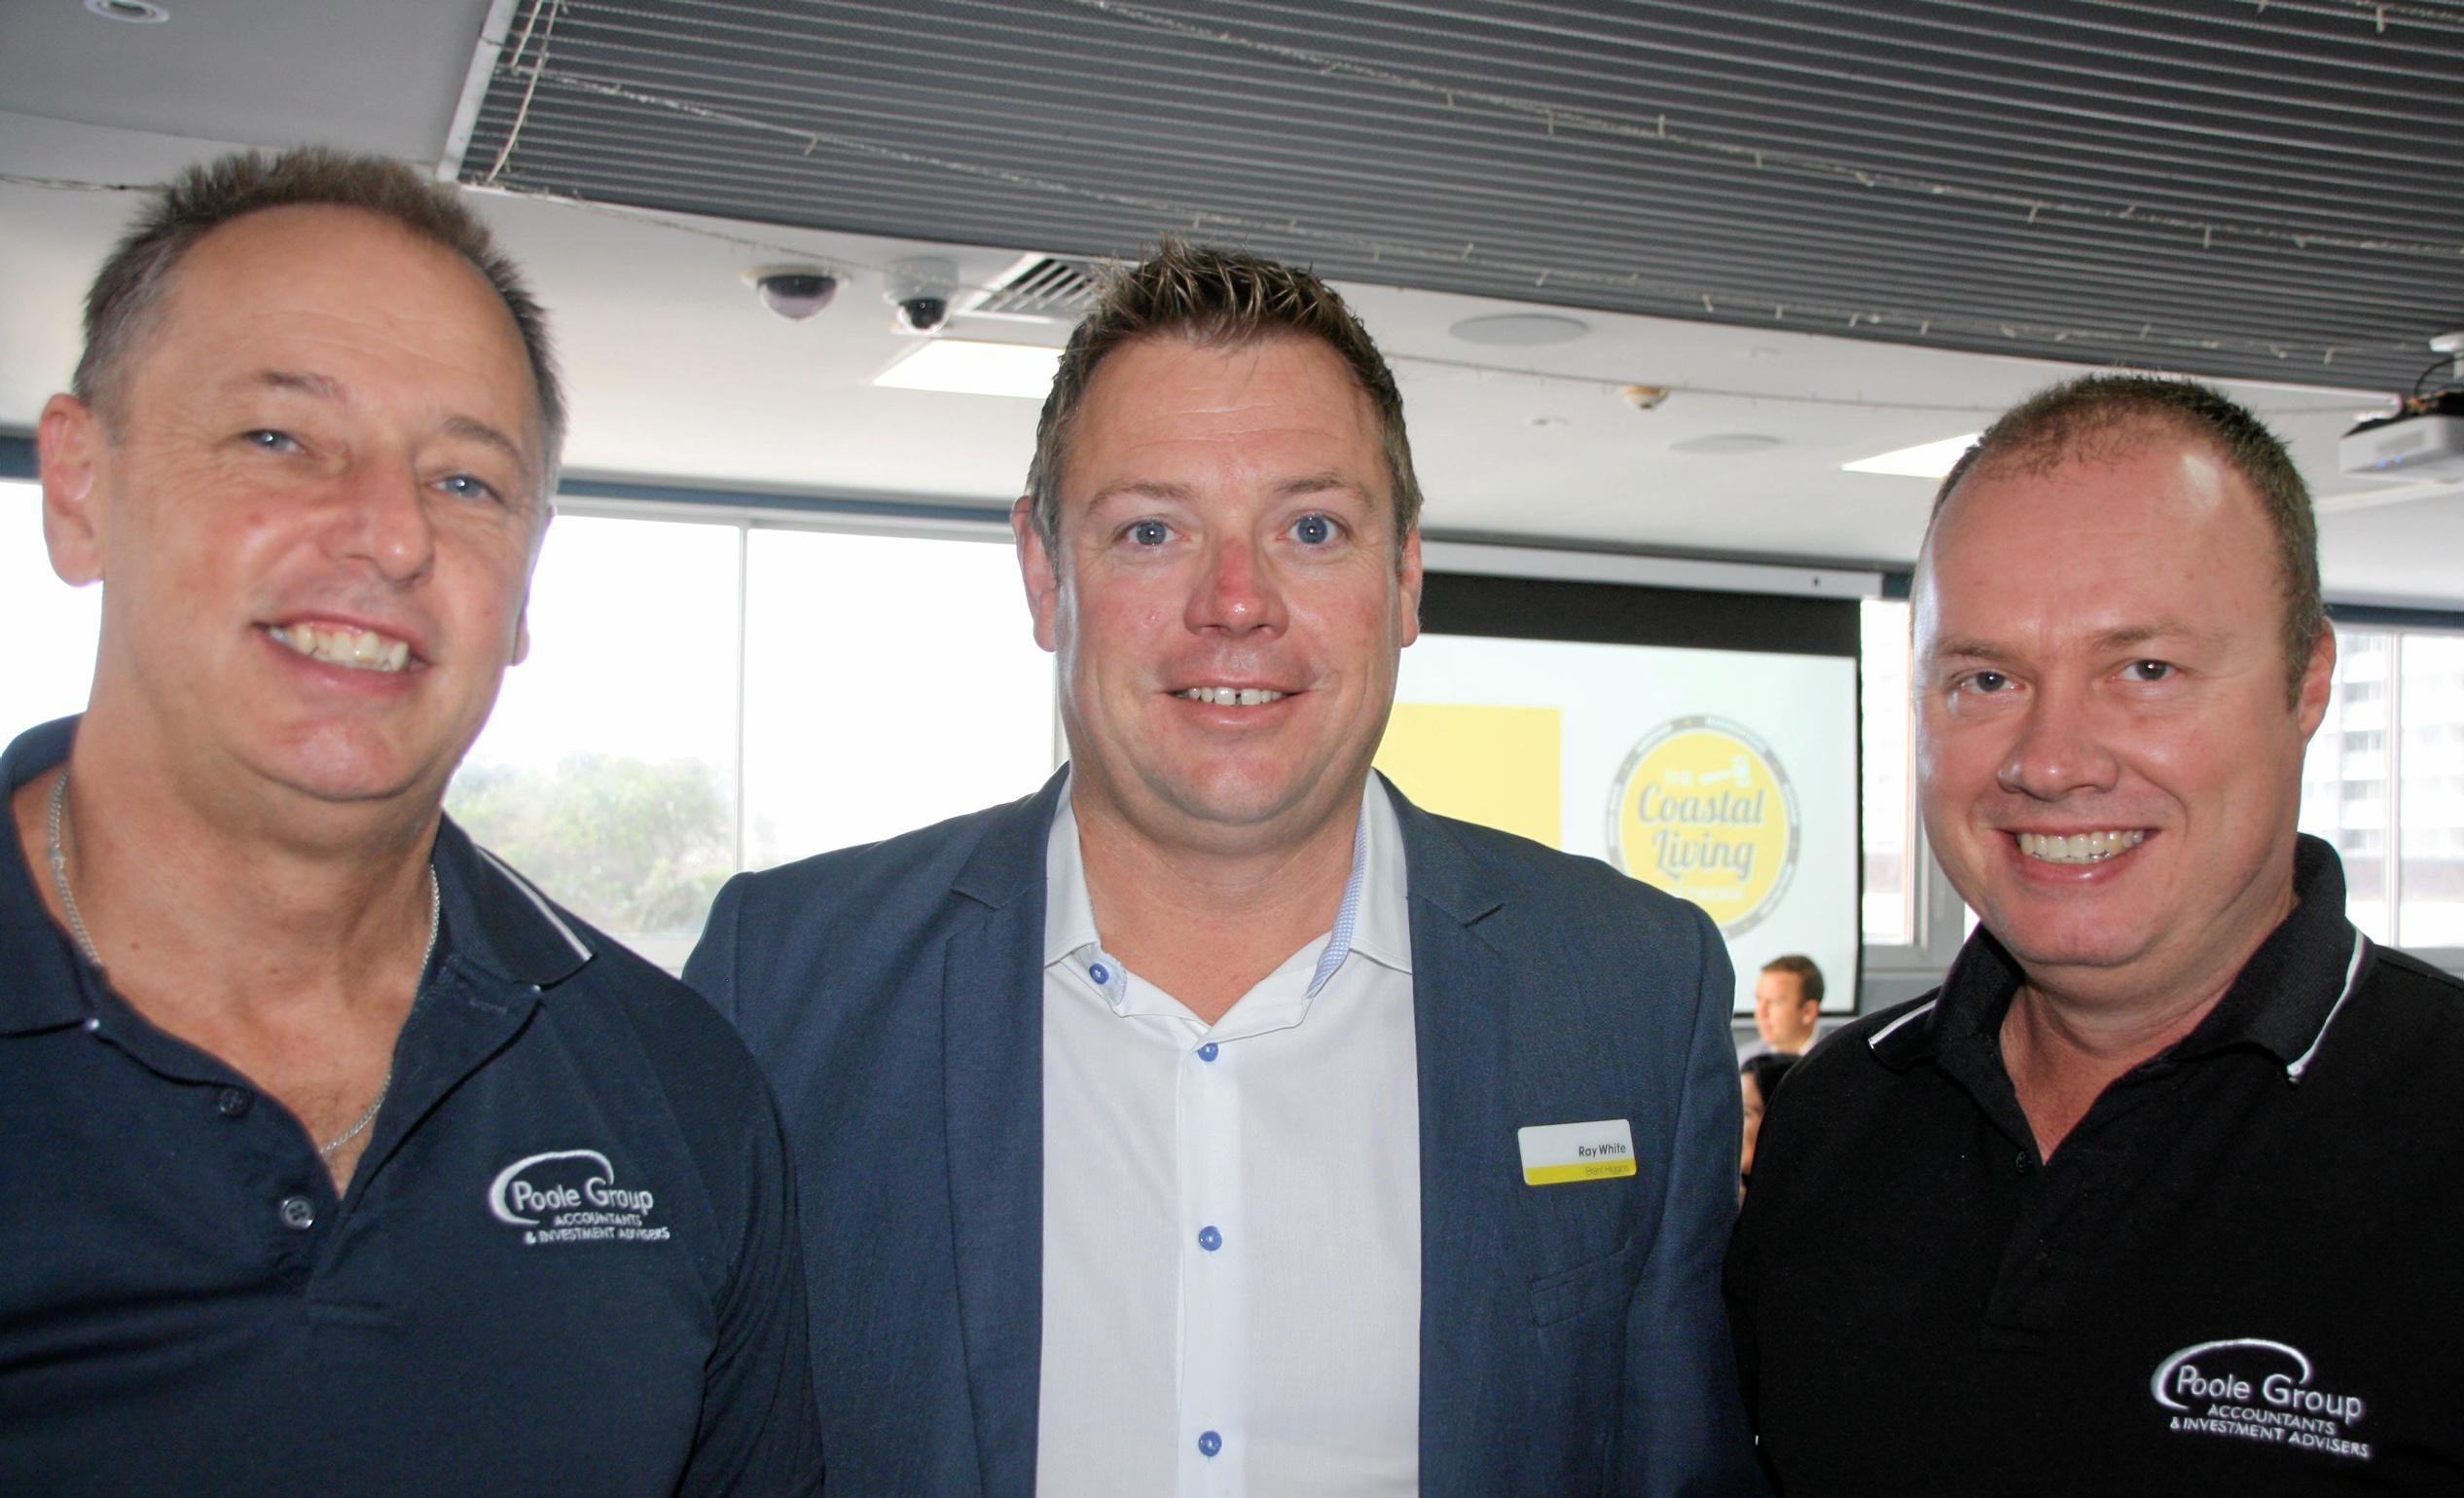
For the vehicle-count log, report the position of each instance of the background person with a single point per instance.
(2148, 1196)
(1173, 1130)
(332, 1157)
(1787, 1004)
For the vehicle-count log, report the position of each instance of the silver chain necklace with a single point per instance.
(86, 943)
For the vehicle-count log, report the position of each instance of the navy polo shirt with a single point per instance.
(2236, 1274)
(567, 1262)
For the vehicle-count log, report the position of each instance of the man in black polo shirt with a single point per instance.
(2161, 1191)
(333, 1157)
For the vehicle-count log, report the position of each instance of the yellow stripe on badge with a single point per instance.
(1588, 1170)
(1554, 1154)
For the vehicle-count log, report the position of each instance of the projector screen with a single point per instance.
(1724, 774)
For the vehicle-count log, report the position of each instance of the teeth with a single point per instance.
(2079, 847)
(359, 649)
(1230, 696)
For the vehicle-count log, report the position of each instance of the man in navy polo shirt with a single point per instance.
(332, 1157)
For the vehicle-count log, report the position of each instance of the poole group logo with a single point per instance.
(2249, 1388)
(571, 1196)
(1703, 810)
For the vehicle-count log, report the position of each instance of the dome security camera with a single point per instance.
(793, 292)
(921, 289)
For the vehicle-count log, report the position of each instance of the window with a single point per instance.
(51, 626)
(607, 773)
(2382, 783)
(890, 682)
(2430, 791)
(1890, 823)
(706, 696)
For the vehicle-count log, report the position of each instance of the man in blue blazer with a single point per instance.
(1215, 1120)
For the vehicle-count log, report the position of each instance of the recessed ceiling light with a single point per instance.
(1521, 330)
(1925, 461)
(959, 366)
(1722, 444)
(139, 12)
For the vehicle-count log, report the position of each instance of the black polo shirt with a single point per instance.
(568, 1262)
(2241, 1273)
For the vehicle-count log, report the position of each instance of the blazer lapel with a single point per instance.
(992, 1036)
(1462, 1001)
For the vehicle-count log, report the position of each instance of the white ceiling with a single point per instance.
(680, 377)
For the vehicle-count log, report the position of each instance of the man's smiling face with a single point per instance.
(1231, 595)
(312, 498)
(2108, 767)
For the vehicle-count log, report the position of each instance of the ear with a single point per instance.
(2317, 678)
(1411, 578)
(69, 443)
(1037, 570)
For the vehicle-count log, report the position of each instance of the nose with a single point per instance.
(381, 518)
(2060, 749)
(1236, 591)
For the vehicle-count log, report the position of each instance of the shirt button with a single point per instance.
(2022, 1163)
(298, 1213)
(1101, 973)
(1209, 1238)
(233, 1102)
(1209, 1443)
(1207, 1053)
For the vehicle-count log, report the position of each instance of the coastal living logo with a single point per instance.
(2249, 1389)
(571, 1196)
(1702, 809)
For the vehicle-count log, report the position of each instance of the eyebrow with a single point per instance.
(1970, 648)
(1166, 488)
(1318, 484)
(327, 389)
(320, 387)
(1140, 488)
(2162, 629)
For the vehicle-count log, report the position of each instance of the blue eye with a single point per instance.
(463, 486)
(271, 440)
(1150, 532)
(2149, 670)
(1313, 529)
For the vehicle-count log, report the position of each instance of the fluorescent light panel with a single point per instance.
(1925, 461)
(959, 366)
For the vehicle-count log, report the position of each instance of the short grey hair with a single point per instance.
(129, 293)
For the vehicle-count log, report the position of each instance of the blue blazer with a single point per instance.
(1573, 1339)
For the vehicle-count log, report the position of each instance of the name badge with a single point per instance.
(1557, 1152)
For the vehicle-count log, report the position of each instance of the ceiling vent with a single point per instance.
(1041, 288)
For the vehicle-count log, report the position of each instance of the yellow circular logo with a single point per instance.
(1703, 810)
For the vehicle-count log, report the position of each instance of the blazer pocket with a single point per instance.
(1569, 1293)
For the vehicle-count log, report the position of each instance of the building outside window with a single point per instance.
(2384, 783)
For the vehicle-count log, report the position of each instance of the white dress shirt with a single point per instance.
(1231, 1281)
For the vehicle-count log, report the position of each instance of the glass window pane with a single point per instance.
(54, 624)
(1888, 829)
(890, 682)
(607, 773)
(2430, 805)
(2344, 784)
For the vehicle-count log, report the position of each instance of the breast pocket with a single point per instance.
(1565, 1293)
